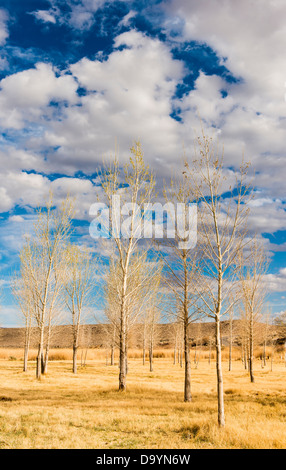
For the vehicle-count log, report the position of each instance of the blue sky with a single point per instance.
(79, 77)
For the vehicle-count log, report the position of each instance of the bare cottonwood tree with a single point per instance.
(135, 186)
(55, 312)
(78, 286)
(222, 196)
(151, 314)
(23, 295)
(144, 338)
(140, 296)
(181, 270)
(175, 335)
(42, 265)
(253, 270)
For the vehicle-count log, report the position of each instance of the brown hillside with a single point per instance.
(94, 335)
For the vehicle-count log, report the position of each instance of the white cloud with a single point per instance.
(126, 19)
(78, 15)
(250, 43)
(4, 33)
(276, 282)
(22, 188)
(16, 218)
(130, 96)
(24, 94)
(82, 191)
(4, 64)
(46, 16)
(267, 216)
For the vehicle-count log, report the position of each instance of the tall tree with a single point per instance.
(135, 185)
(42, 265)
(78, 287)
(253, 269)
(222, 199)
(23, 295)
(181, 268)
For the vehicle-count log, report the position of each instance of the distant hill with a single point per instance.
(95, 335)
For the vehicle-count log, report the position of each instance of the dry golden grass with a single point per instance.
(87, 411)
(61, 354)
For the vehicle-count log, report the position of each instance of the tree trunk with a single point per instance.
(122, 339)
(122, 362)
(40, 354)
(187, 387)
(151, 356)
(74, 359)
(144, 350)
(112, 356)
(245, 356)
(264, 353)
(242, 351)
(198, 358)
(221, 418)
(251, 349)
(85, 356)
(45, 361)
(39, 365)
(26, 354)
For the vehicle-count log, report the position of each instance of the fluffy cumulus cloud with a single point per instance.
(249, 39)
(24, 95)
(59, 120)
(128, 96)
(249, 42)
(276, 282)
(267, 215)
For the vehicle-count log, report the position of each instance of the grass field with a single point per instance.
(87, 411)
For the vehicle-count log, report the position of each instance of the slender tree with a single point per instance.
(222, 202)
(135, 186)
(253, 270)
(181, 269)
(42, 265)
(140, 296)
(22, 294)
(78, 288)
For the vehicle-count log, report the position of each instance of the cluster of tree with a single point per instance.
(55, 276)
(224, 272)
